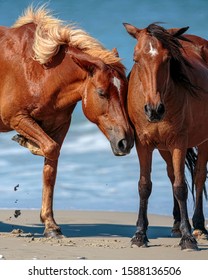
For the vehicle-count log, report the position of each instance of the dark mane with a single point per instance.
(179, 64)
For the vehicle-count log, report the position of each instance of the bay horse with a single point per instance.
(46, 68)
(168, 107)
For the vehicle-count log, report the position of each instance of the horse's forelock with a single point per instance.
(179, 62)
(168, 41)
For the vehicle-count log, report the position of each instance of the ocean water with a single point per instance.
(90, 177)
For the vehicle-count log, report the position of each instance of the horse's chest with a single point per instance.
(156, 136)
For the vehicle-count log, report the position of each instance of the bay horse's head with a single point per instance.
(104, 100)
(157, 57)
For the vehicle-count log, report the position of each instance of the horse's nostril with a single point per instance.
(146, 108)
(122, 145)
(161, 109)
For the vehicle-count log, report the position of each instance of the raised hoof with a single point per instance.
(200, 234)
(188, 243)
(55, 233)
(140, 240)
(21, 140)
(31, 146)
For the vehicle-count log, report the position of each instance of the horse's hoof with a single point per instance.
(21, 140)
(188, 243)
(54, 233)
(176, 233)
(200, 234)
(31, 146)
(140, 240)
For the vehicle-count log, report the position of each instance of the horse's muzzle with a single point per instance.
(121, 147)
(154, 113)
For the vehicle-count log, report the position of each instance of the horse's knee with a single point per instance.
(52, 151)
(145, 190)
(180, 192)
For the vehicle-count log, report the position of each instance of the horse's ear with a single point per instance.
(132, 30)
(178, 31)
(115, 52)
(85, 61)
(84, 64)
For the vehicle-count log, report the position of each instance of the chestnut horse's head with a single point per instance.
(104, 100)
(157, 57)
(98, 78)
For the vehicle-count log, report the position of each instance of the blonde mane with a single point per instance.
(51, 33)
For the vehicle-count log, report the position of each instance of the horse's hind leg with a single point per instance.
(181, 193)
(200, 178)
(175, 232)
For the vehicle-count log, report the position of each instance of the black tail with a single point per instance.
(191, 158)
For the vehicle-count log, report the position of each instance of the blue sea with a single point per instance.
(90, 177)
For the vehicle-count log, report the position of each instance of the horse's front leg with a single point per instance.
(49, 179)
(34, 137)
(144, 188)
(181, 193)
(175, 232)
(46, 215)
(49, 174)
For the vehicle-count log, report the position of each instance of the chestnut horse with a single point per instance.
(168, 107)
(46, 68)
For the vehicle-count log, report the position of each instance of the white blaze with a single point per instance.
(152, 50)
(117, 84)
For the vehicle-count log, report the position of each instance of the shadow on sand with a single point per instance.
(90, 230)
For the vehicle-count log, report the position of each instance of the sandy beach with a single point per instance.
(90, 235)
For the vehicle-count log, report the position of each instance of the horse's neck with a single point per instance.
(175, 97)
(72, 84)
(67, 97)
(70, 93)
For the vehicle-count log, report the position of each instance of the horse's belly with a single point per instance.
(197, 140)
(198, 132)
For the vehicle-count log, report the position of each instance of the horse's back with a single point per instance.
(199, 45)
(3, 29)
(196, 39)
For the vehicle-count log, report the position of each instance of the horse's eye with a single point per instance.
(101, 92)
